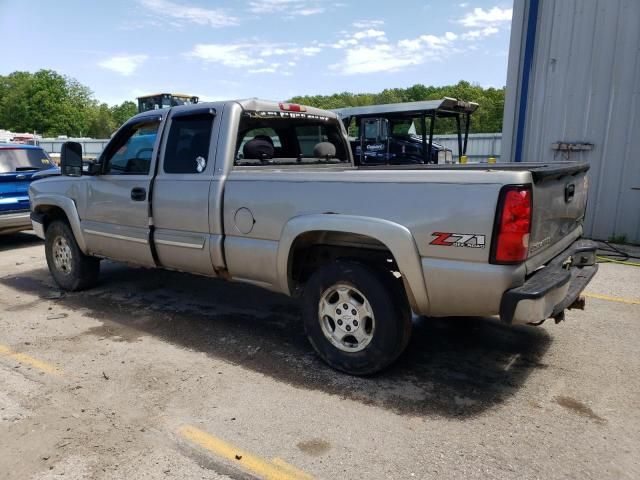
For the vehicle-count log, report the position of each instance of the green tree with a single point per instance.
(101, 122)
(46, 102)
(123, 112)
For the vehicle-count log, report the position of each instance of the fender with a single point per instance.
(69, 207)
(397, 238)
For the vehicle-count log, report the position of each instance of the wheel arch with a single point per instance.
(56, 206)
(391, 236)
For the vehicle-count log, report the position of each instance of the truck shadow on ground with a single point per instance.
(18, 240)
(453, 367)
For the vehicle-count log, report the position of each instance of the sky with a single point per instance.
(272, 49)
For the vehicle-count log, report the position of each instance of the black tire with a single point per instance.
(78, 271)
(391, 325)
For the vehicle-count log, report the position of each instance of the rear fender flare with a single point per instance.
(69, 208)
(397, 238)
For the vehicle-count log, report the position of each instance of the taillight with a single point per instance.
(292, 107)
(513, 225)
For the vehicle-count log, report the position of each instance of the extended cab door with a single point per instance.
(180, 205)
(115, 221)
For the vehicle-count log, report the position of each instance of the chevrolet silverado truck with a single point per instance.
(267, 193)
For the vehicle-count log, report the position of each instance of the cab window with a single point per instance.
(132, 150)
(187, 149)
(267, 138)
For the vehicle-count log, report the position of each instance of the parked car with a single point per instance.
(363, 248)
(18, 165)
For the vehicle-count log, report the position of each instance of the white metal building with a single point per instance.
(574, 79)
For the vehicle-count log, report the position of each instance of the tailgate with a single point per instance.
(14, 193)
(559, 201)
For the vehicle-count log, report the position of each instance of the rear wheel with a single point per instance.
(70, 268)
(355, 317)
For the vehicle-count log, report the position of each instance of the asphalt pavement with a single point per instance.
(156, 374)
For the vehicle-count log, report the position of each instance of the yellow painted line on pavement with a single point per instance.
(29, 360)
(609, 298)
(275, 470)
(291, 469)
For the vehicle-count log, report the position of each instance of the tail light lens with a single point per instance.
(513, 225)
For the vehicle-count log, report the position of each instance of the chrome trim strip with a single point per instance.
(180, 244)
(119, 237)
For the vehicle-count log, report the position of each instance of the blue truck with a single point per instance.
(19, 166)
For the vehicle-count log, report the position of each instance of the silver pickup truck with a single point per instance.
(267, 193)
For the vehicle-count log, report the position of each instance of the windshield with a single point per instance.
(290, 139)
(17, 159)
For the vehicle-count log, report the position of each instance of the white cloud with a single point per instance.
(310, 51)
(381, 57)
(212, 17)
(269, 50)
(353, 39)
(229, 55)
(371, 33)
(344, 43)
(481, 18)
(305, 12)
(368, 23)
(123, 64)
(410, 45)
(289, 8)
(253, 56)
(270, 69)
(483, 32)
(375, 58)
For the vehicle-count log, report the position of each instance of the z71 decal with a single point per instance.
(470, 240)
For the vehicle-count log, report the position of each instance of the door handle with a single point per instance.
(138, 194)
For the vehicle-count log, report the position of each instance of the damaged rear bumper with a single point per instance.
(552, 289)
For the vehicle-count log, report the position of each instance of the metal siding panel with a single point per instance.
(480, 146)
(615, 129)
(585, 89)
(512, 92)
(627, 218)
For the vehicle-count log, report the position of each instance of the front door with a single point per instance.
(116, 220)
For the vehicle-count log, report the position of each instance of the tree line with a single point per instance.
(52, 104)
(486, 119)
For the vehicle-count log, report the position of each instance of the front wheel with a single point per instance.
(355, 317)
(70, 268)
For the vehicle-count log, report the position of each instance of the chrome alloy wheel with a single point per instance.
(62, 256)
(346, 318)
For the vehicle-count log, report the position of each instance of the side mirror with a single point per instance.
(71, 159)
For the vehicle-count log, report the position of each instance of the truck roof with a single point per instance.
(251, 104)
(20, 146)
(446, 106)
(256, 104)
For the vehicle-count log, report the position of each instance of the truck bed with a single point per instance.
(539, 171)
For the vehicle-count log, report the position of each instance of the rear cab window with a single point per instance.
(289, 138)
(187, 148)
(16, 159)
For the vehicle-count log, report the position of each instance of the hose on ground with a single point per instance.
(608, 253)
